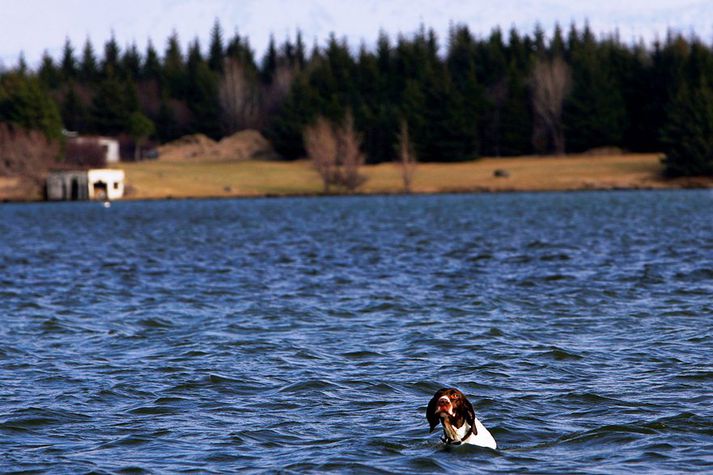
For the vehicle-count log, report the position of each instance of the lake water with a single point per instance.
(308, 334)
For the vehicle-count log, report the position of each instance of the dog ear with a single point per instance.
(470, 415)
(431, 411)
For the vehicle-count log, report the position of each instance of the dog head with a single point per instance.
(450, 406)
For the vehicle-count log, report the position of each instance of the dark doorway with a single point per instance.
(100, 190)
(74, 192)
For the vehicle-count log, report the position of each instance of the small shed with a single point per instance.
(94, 184)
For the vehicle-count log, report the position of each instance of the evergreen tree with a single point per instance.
(110, 64)
(699, 65)
(449, 136)
(412, 107)
(22, 64)
(594, 113)
(151, 68)
(202, 93)
(49, 74)
(69, 62)
(166, 124)
(88, 69)
(664, 77)
(216, 54)
(688, 132)
(25, 102)
(288, 53)
(110, 107)
(285, 131)
(383, 53)
(573, 40)
(131, 62)
(300, 58)
(631, 71)
(195, 57)
(557, 45)
(239, 49)
(131, 96)
(374, 115)
(516, 116)
(495, 94)
(174, 68)
(269, 62)
(74, 113)
(538, 42)
(342, 72)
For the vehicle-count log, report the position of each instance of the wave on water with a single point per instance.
(308, 335)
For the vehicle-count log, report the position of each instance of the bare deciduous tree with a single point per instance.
(551, 82)
(335, 153)
(349, 155)
(239, 97)
(276, 93)
(407, 159)
(321, 145)
(244, 103)
(25, 153)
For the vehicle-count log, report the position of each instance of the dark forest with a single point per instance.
(464, 96)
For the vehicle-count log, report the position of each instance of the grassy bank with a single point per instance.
(203, 178)
(151, 180)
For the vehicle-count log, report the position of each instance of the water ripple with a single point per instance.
(307, 335)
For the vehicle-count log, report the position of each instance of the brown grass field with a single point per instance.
(207, 178)
(198, 179)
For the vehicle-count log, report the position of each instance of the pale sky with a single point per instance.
(32, 26)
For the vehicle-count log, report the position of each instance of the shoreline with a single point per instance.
(4, 201)
(203, 179)
(474, 191)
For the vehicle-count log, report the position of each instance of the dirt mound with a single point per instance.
(243, 145)
(188, 147)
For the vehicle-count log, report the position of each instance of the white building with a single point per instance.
(94, 184)
(105, 184)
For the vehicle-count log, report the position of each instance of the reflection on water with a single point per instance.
(309, 334)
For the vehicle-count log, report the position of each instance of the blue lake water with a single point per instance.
(308, 334)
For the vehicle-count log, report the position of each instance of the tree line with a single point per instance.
(497, 95)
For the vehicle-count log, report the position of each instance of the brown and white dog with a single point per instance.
(452, 409)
